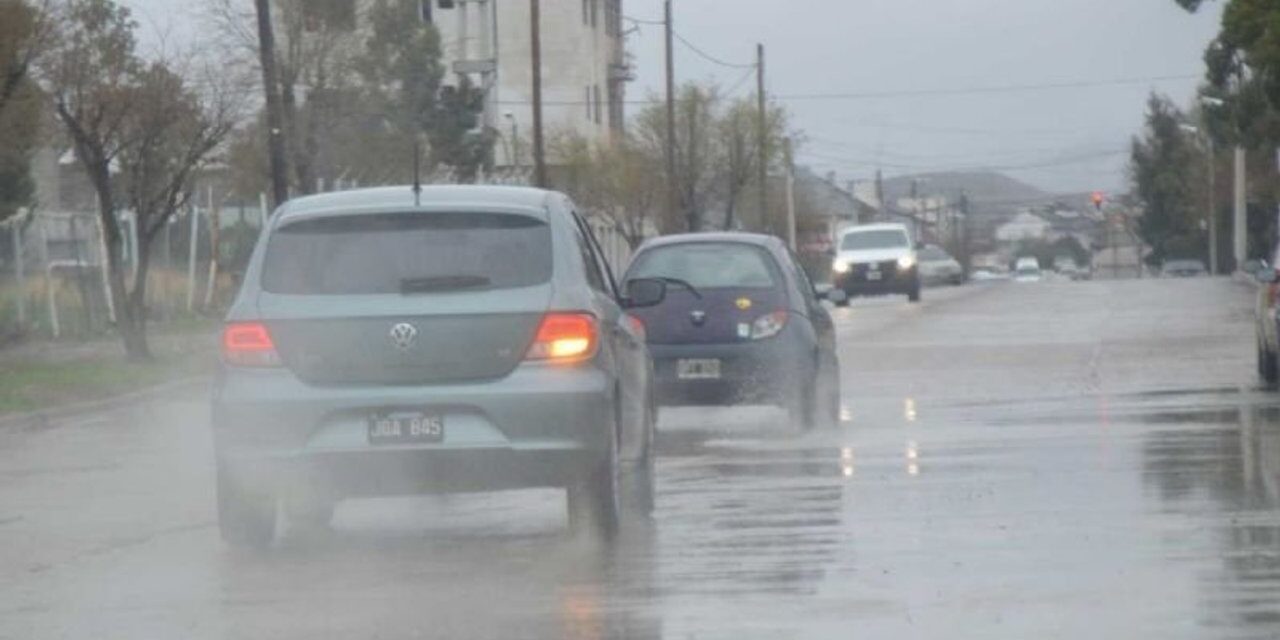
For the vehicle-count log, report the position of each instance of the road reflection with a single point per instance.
(1221, 470)
(466, 582)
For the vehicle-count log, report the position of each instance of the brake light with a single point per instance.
(637, 325)
(565, 337)
(249, 344)
(768, 325)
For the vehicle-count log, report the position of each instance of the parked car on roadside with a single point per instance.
(1182, 269)
(741, 324)
(988, 274)
(938, 267)
(466, 338)
(875, 259)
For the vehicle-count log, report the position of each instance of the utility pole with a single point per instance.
(791, 194)
(762, 134)
(673, 200)
(1240, 208)
(539, 151)
(275, 119)
(1213, 205)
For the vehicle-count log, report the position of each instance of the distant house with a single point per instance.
(823, 208)
(1025, 226)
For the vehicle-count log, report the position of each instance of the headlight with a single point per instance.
(840, 266)
(768, 325)
(906, 262)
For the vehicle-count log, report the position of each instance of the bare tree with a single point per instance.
(618, 182)
(740, 151)
(138, 129)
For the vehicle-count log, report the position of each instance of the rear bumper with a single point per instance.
(539, 426)
(765, 372)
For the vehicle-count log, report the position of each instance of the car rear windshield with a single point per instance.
(708, 265)
(407, 253)
(881, 239)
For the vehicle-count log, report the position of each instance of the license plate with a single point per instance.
(874, 275)
(698, 369)
(406, 427)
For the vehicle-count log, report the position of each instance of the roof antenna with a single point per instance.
(417, 172)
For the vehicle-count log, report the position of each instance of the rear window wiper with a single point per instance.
(442, 283)
(683, 285)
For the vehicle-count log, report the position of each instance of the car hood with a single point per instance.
(873, 255)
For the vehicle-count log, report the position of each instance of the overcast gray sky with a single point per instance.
(1073, 139)
(886, 46)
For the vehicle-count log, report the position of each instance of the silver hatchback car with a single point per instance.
(461, 338)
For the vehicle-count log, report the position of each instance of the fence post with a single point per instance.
(15, 231)
(191, 259)
(48, 281)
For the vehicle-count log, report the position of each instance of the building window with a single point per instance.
(596, 95)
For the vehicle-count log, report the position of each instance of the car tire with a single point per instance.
(1268, 368)
(245, 520)
(913, 294)
(827, 410)
(593, 500)
(802, 407)
(843, 302)
(638, 485)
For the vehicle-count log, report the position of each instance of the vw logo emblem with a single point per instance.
(403, 335)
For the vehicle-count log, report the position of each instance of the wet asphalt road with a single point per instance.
(1059, 460)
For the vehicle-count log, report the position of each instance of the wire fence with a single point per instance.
(53, 283)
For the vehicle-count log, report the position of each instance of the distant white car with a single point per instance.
(1027, 270)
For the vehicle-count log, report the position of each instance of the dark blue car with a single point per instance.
(741, 324)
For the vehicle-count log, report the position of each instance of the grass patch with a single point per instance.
(33, 385)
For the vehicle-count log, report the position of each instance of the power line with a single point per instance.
(658, 23)
(1058, 162)
(710, 58)
(1081, 84)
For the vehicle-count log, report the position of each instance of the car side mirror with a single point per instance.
(1267, 276)
(822, 291)
(644, 292)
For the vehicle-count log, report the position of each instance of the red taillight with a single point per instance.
(565, 337)
(637, 325)
(249, 344)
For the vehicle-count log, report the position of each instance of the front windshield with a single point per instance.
(639, 319)
(882, 239)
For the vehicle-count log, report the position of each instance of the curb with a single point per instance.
(42, 418)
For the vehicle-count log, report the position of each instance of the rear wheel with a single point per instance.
(843, 302)
(827, 410)
(802, 407)
(1267, 366)
(245, 519)
(593, 500)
